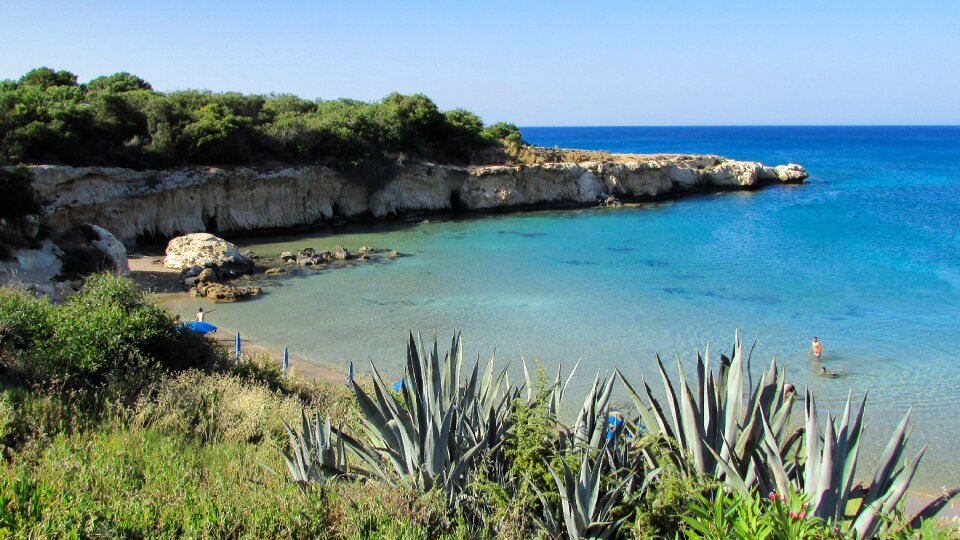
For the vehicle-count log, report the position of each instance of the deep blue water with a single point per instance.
(865, 255)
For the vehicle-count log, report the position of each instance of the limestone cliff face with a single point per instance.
(165, 203)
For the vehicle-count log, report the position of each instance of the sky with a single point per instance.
(553, 63)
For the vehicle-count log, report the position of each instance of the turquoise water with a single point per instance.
(865, 255)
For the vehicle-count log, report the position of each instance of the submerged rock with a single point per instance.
(274, 271)
(223, 292)
(340, 253)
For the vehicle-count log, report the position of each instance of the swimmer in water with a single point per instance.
(829, 374)
(816, 348)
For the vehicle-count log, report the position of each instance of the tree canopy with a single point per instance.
(46, 116)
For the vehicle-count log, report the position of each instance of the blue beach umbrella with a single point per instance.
(197, 326)
(286, 360)
(236, 347)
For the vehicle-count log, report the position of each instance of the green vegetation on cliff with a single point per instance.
(119, 120)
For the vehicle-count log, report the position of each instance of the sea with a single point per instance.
(865, 255)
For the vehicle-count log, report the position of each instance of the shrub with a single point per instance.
(104, 333)
(120, 120)
(24, 319)
(217, 407)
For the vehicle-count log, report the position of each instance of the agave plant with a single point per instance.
(715, 427)
(828, 467)
(589, 498)
(431, 437)
(313, 453)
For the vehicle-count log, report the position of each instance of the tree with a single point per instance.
(118, 83)
(45, 77)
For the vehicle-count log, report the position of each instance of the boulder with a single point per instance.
(207, 275)
(611, 202)
(90, 248)
(365, 249)
(393, 253)
(288, 256)
(222, 292)
(207, 250)
(340, 253)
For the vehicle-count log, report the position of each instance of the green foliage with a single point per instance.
(117, 483)
(444, 421)
(217, 407)
(45, 77)
(120, 120)
(503, 131)
(17, 197)
(24, 320)
(118, 83)
(103, 331)
(735, 516)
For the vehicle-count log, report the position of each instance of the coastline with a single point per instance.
(148, 271)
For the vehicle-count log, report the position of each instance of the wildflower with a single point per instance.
(772, 496)
(793, 515)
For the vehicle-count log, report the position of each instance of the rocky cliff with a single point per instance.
(165, 203)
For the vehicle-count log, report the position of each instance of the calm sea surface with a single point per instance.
(865, 255)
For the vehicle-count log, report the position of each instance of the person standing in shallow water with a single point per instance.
(816, 348)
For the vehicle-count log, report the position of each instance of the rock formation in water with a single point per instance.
(165, 203)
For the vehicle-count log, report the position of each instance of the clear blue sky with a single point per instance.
(534, 63)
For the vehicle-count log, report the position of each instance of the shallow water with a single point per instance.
(865, 255)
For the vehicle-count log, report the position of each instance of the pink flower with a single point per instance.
(802, 515)
(793, 515)
(772, 496)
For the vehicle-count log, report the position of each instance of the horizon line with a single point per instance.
(733, 125)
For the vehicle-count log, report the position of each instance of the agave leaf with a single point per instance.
(812, 447)
(672, 403)
(731, 477)
(646, 416)
(933, 508)
(692, 425)
(888, 460)
(825, 500)
(868, 522)
(772, 453)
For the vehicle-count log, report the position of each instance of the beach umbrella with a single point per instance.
(197, 326)
(286, 360)
(350, 373)
(236, 347)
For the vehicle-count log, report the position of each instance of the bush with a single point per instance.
(217, 407)
(103, 333)
(120, 120)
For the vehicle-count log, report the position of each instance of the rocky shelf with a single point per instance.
(161, 204)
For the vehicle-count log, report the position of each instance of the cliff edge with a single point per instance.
(164, 203)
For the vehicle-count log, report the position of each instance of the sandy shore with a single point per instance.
(147, 269)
